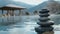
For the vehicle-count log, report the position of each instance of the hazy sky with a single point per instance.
(31, 2)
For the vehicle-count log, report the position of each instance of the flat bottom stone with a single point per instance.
(49, 32)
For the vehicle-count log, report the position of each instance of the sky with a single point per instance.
(31, 2)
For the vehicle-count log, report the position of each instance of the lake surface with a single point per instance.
(26, 25)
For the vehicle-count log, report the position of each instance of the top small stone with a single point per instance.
(44, 11)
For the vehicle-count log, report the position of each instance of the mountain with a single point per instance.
(5, 2)
(38, 7)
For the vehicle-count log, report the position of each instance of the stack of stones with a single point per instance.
(45, 25)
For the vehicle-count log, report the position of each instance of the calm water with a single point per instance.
(26, 25)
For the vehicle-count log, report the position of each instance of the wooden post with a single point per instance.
(2, 11)
(2, 15)
(20, 12)
(12, 12)
(7, 12)
(13, 15)
(7, 15)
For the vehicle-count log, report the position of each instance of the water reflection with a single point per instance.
(25, 26)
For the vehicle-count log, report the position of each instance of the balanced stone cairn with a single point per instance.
(45, 26)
